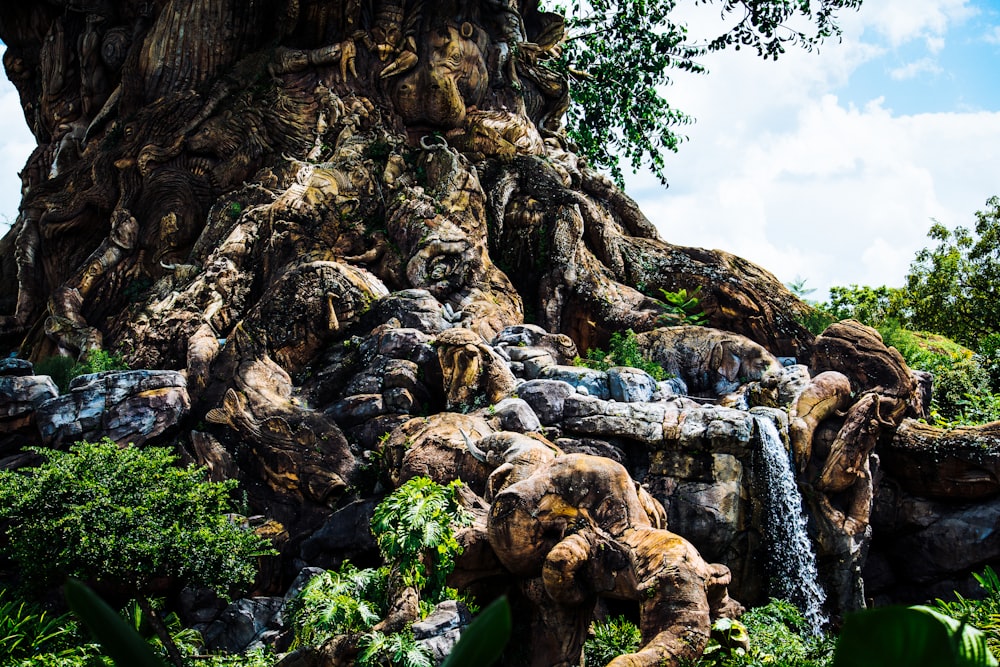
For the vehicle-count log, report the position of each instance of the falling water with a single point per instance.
(790, 552)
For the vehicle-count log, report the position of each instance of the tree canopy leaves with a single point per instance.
(619, 55)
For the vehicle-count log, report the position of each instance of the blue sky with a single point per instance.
(831, 166)
(825, 166)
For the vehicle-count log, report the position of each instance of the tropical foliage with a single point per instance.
(414, 529)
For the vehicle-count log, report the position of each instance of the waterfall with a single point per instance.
(790, 552)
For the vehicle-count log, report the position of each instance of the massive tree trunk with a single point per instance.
(290, 199)
(350, 147)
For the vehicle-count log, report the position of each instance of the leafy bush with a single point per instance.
(63, 370)
(983, 613)
(332, 603)
(962, 393)
(988, 352)
(125, 516)
(615, 637)
(779, 637)
(60, 369)
(954, 384)
(685, 305)
(413, 529)
(623, 350)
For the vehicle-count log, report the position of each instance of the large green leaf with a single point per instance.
(910, 636)
(483, 641)
(118, 641)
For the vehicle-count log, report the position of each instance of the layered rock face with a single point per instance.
(322, 226)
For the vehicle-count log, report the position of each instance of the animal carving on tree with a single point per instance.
(274, 194)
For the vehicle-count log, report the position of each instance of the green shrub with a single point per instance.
(63, 370)
(779, 637)
(126, 516)
(983, 613)
(623, 350)
(413, 529)
(962, 393)
(60, 369)
(685, 306)
(615, 637)
(332, 603)
(988, 352)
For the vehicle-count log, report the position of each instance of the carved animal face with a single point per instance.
(451, 78)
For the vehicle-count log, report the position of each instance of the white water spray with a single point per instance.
(790, 551)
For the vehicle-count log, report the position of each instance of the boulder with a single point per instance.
(547, 398)
(243, 625)
(586, 381)
(630, 385)
(442, 628)
(20, 397)
(128, 407)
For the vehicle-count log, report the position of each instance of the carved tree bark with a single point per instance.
(418, 141)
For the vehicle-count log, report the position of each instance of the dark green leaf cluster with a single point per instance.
(124, 516)
(914, 636)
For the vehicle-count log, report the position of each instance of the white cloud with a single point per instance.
(783, 172)
(993, 36)
(901, 21)
(935, 44)
(914, 69)
(16, 143)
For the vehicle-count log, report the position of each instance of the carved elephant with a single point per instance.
(711, 362)
(576, 530)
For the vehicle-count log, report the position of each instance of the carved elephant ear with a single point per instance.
(725, 360)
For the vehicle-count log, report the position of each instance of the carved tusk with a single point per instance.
(169, 267)
(438, 142)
